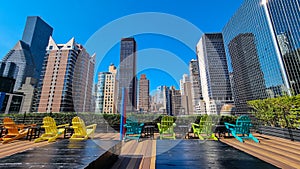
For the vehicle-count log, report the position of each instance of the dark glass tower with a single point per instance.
(247, 72)
(36, 34)
(127, 73)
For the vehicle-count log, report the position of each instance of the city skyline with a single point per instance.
(12, 26)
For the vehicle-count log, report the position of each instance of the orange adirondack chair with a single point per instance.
(14, 131)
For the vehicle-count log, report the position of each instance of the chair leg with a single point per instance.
(200, 137)
(253, 138)
(237, 137)
(213, 136)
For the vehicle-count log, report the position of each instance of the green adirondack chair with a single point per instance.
(204, 130)
(133, 129)
(241, 130)
(166, 128)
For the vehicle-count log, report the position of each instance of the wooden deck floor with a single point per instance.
(142, 155)
(282, 153)
(18, 146)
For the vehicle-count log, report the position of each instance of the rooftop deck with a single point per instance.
(271, 152)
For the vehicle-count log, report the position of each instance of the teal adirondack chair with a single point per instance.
(241, 130)
(166, 128)
(133, 129)
(204, 130)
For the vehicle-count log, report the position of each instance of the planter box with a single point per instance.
(291, 134)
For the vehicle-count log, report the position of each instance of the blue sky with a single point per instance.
(81, 19)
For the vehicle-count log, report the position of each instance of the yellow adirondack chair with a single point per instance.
(81, 132)
(52, 131)
(14, 131)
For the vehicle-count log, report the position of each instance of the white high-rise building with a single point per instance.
(106, 100)
(214, 74)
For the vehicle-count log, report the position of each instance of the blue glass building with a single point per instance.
(36, 34)
(272, 27)
(284, 19)
(28, 54)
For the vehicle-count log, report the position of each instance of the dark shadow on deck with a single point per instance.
(192, 154)
(66, 154)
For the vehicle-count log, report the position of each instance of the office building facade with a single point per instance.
(127, 73)
(197, 98)
(28, 53)
(271, 30)
(36, 34)
(57, 92)
(186, 95)
(21, 57)
(214, 74)
(144, 104)
(106, 98)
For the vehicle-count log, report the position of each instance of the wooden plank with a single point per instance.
(268, 157)
(282, 140)
(137, 156)
(146, 161)
(153, 155)
(17, 147)
(283, 154)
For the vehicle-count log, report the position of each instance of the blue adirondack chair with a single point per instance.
(133, 129)
(241, 130)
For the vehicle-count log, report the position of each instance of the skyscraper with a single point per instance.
(127, 73)
(196, 92)
(270, 42)
(21, 56)
(214, 75)
(28, 53)
(285, 26)
(247, 71)
(144, 99)
(185, 79)
(36, 34)
(175, 100)
(186, 94)
(107, 91)
(60, 85)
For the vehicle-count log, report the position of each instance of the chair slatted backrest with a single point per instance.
(132, 126)
(207, 125)
(10, 125)
(79, 126)
(167, 124)
(243, 125)
(49, 125)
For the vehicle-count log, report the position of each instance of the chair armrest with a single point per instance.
(228, 125)
(195, 124)
(158, 126)
(62, 125)
(92, 126)
(142, 124)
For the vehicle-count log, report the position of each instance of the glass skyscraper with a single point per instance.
(36, 34)
(28, 54)
(127, 73)
(266, 34)
(285, 23)
(214, 77)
